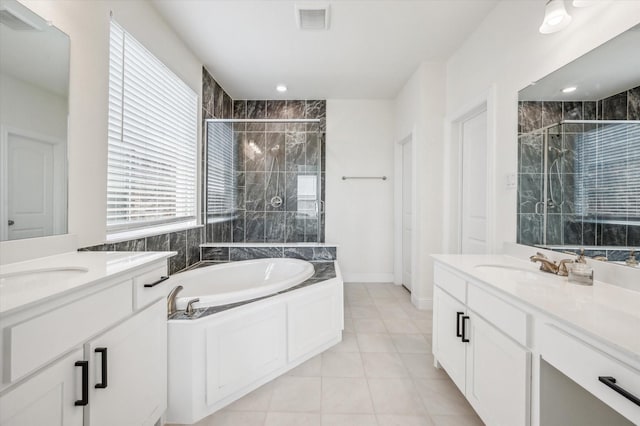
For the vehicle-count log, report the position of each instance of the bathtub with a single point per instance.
(239, 281)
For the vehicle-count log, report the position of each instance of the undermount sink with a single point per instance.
(60, 272)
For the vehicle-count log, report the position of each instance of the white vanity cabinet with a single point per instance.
(93, 356)
(490, 367)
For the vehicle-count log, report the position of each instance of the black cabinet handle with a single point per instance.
(611, 382)
(157, 282)
(103, 384)
(458, 315)
(464, 328)
(85, 383)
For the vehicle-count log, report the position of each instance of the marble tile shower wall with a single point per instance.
(564, 226)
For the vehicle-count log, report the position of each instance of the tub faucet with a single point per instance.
(171, 300)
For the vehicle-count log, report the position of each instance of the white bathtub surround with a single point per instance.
(239, 281)
(516, 317)
(92, 318)
(218, 358)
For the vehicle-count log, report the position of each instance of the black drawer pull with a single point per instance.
(157, 282)
(103, 384)
(458, 315)
(85, 383)
(611, 382)
(464, 329)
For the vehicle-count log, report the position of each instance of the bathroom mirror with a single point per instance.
(579, 153)
(34, 94)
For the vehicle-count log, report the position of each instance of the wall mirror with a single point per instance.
(34, 89)
(579, 153)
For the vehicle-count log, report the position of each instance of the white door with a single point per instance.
(498, 375)
(474, 185)
(133, 390)
(407, 214)
(449, 348)
(48, 398)
(30, 186)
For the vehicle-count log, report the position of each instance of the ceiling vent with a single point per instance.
(19, 18)
(312, 16)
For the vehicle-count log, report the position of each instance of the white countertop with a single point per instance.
(605, 312)
(19, 291)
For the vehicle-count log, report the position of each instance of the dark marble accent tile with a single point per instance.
(239, 141)
(248, 253)
(594, 253)
(296, 127)
(255, 191)
(241, 194)
(256, 109)
(208, 92)
(276, 109)
(312, 153)
(572, 110)
(178, 243)
(633, 99)
(531, 153)
(275, 152)
(219, 231)
(599, 105)
(615, 107)
(322, 228)
(313, 254)
(194, 239)
(617, 255)
(218, 110)
(551, 113)
(295, 143)
(568, 193)
(291, 192)
(529, 192)
(253, 148)
(254, 227)
(274, 227)
(311, 231)
(275, 193)
(131, 245)
(215, 253)
(295, 109)
(572, 230)
(294, 227)
(316, 109)
(276, 127)
(614, 234)
(238, 228)
(323, 151)
(158, 243)
(554, 229)
(530, 232)
(569, 151)
(240, 109)
(227, 106)
(589, 233)
(529, 116)
(590, 113)
(633, 236)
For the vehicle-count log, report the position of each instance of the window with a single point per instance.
(221, 176)
(608, 160)
(152, 160)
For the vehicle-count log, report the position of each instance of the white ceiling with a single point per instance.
(605, 71)
(369, 51)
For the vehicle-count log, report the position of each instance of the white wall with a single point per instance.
(508, 51)
(419, 110)
(359, 213)
(87, 24)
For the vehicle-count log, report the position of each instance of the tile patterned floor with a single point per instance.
(381, 374)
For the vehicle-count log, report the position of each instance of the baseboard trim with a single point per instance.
(422, 303)
(367, 278)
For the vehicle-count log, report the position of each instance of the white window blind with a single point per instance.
(221, 177)
(152, 160)
(608, 167)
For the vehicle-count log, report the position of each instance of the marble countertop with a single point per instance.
(605, 312)
(23, 284)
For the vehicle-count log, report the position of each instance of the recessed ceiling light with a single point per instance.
(281, 88)
(569, 89)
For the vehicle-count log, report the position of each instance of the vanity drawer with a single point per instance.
(38, 340)
(585, 364)
(143, 296)
(506, 317)
(450, 282)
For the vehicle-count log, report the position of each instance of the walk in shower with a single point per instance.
(264, 180)
(579, 184)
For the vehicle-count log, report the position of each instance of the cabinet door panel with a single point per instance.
(449, 349)
(47, 398)
(136, 371)
(498, 375)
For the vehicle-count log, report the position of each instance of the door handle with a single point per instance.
(458, 315)
(103, 384)
(611, 382)
(11, 222)
(464, 332)
(85, 383)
